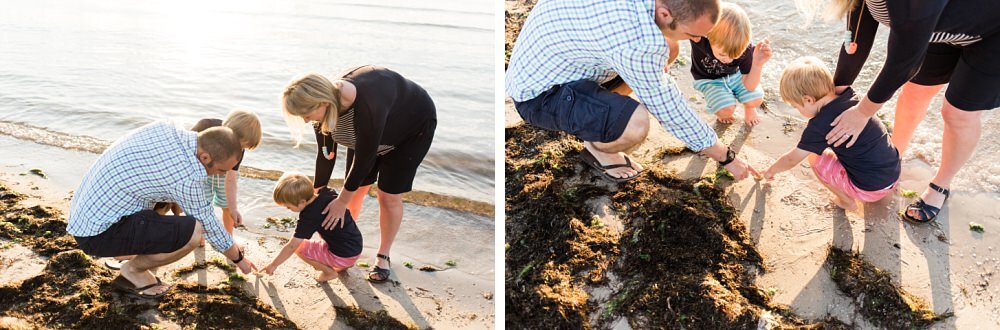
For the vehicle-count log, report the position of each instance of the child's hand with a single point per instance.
(269, 270)
(768, 174)
(762, 52)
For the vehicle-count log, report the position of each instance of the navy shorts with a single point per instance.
(582, 108)
(972, 73)
(144, 232)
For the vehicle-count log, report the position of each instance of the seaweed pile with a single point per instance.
(74, 292)
(361, 319)
(684, 259)
(879, 301)
(553, 248)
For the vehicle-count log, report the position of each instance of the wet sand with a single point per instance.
(792, 222)
(459, 296)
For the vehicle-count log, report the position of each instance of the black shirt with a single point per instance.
(872, 163)
(704, 65)
(388, 111)
(914, 25)
(344, 242)
(215, 122)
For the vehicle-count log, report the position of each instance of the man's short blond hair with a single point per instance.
(805, 76)
(246, 125)
(292, 189)
(732, 34)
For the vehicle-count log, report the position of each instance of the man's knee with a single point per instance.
(196, 236)
(638, 126)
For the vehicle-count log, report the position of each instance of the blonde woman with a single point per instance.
(386, 122)
(931, 43)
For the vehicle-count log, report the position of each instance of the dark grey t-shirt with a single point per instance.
(872, 163)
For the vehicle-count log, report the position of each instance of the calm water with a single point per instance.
(101, 68)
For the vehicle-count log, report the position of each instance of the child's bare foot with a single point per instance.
(725, 115)
(750, 116)
(325, 276)
(849, 205)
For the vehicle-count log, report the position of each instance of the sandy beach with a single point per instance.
(790, 220)
(451, 297)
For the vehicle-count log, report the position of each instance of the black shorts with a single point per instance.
(395, 170)
(582, 108)
(972, 73)
(144, 232)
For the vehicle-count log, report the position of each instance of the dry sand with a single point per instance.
(455, 297)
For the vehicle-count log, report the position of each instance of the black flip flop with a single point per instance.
(123, 284)
(114, 264)
(927, 212)
(590, 160)
(383, 273)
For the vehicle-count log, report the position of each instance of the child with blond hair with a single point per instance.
(726, 67)
(336, 249)
(867, 171)
(246, 125)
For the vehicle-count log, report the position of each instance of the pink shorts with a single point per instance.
(317, 250)
(829, 170)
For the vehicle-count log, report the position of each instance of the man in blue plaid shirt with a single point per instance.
(567, 48)
(110, 214)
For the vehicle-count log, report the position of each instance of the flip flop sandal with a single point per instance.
(590, 160)
(927, 212)
(382, 273)
(123, 284)
(114, 264)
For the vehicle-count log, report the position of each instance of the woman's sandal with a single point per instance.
(382, 273)
(927, 212)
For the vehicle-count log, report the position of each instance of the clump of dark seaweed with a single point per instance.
(684, 259)
(74, 292)
(884, 304)
(553, 251)
(362, 319)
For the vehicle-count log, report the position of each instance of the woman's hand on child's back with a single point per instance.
(334, 214)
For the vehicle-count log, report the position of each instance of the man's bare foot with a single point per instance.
(850, 205)
(141, 279)
(750, 116)
(726, 115)
(325, 276)
(607, 159)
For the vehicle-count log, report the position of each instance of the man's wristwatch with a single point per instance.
(730, 157)
(237, 261)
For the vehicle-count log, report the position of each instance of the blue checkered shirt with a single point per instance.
(569, 40)
(155, 163)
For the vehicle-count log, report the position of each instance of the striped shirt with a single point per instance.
(569, 40)
(880, 11)
(155, 163)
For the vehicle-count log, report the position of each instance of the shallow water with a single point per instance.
(100, 68)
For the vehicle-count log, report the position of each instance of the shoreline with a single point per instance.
(39, 135)
(453, 297)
